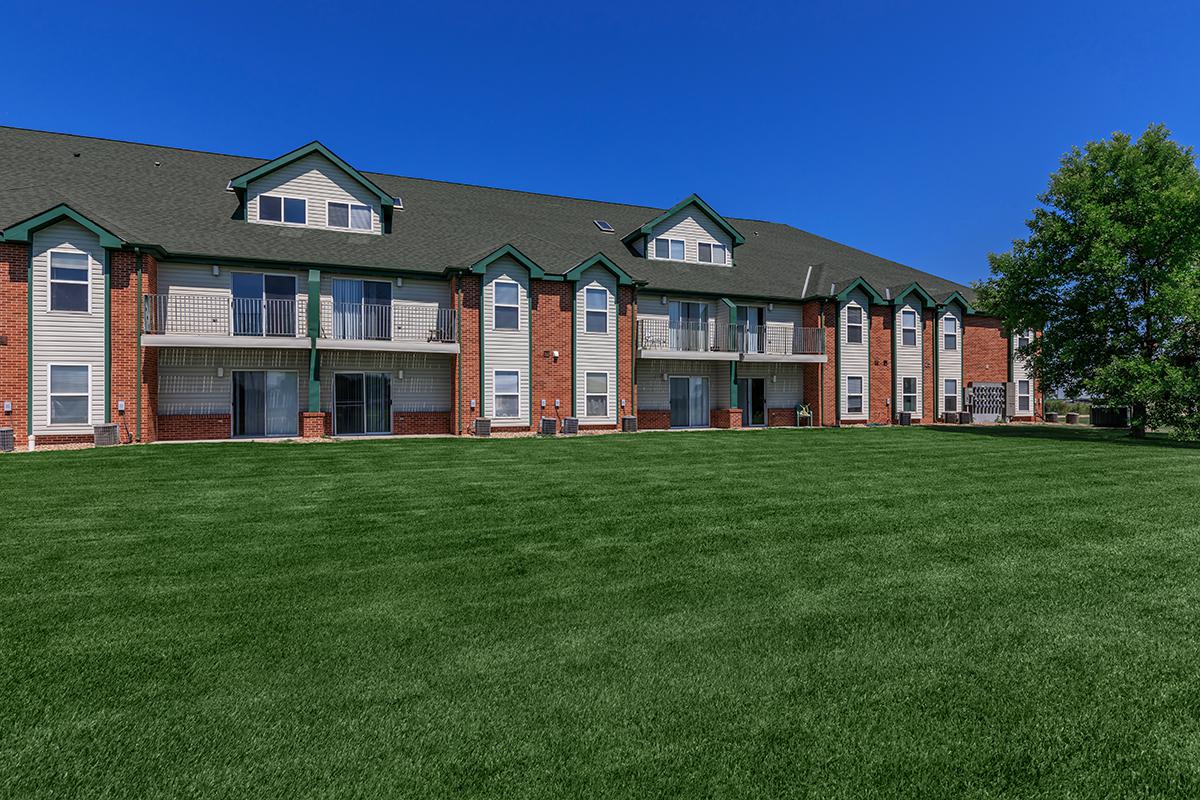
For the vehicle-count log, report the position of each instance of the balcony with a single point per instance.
(214, 320)
(660, 338)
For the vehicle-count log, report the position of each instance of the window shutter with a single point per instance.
(1010, 399)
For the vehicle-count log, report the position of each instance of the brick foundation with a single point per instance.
(194, 426)
(781, 417)
(653, 420)
(314, 424)
(726, 418)
(408, 423)
(50, 439)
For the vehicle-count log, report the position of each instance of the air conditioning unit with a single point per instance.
(6, 440)
(548, 426)
(629, 424)
(570, 426)
(483, 427)
(950, 417)
(905, 418)
(964, 418)
(1051, 416)
(106, 435)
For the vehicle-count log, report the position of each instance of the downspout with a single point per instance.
(138, 367)
(108, 336)
(29, 347)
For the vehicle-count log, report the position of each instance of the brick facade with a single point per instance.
(985, 350)
(408, 423)
(726, 418)
(183, 427)
(820, 380)
(928, 354)
(465, 377)
(626, 336)
(14, 338)
(882, 387)
(550, 314)
(653, 419)
(126, 302)
(314, 424)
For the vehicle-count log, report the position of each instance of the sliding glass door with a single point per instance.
(362, 403)
(263, 305)
(362, 309)
(687, 324)
(265, 403)
(689, 402)
(752, 397)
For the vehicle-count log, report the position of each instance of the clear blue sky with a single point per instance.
(918, 132)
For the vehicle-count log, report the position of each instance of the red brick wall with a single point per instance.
(469, 286)
(985, 350)
(550, 318)
(50, 439)
(14, 340)
(314, 424)
(125, 303)
(882, 321)
(781, 417)
(408, 423)
(653, 419)
(726, 418)
(626, 327)
(928, 354)
(192, 426)
(820, 380)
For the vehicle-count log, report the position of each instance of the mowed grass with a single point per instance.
(1009, 612)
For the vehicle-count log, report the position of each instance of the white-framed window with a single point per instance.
(908, 328)
(1024, 398)
(951, 395)
(70, 281)
(668, 249)
(596, 310)
(854, 324)
(595, 394)
(277, 208)
(349, 215)
(506, 306)
(70, 390)
(712, 253)
(854, 394)
(950, 333)
(908, 397)
(1022, 340)
(506, 392)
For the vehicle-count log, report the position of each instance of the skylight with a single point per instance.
(604, 226)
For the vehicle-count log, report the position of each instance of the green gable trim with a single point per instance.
(241, 181)
(313, 323)
(23, 231)
(107, 336)
(860, 283)
(915, 287)
(956, 297)
(598, 260)
(690, 200)
(482, 264)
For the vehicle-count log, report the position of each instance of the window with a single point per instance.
(908, 328)
(596, 301)
(909, 395)
(951, 396)
(669, 249)
(1022, 341)
(854, 395)
(854, 325)
(70, 394)
(69, 281)
(1023, 397)
(505, 393)
(950, 334)
(506, 310)
(596, 394)
(350, 215)
(712, 253)
(273, 208)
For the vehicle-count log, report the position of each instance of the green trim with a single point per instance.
(690, 200)
(598, 260)
(512, 252)
(529, 375)
(936, 349)
(138, 366)
(837, 374)
(482, 359)
(927, 299)
(107, 336)
(867, 377)
(313, 313)
(730, 328)
(1009, 350)
(241, 181)
(574, 350)
(459, 357)
(895, 372)
(23, 231)
(616, 356)
(957, 297)
(29, 344)
(860, 283)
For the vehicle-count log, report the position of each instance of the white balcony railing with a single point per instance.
(710, 336)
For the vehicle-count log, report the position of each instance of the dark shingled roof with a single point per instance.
(176, 200)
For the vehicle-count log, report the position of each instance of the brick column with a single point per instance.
(126, 304)
(627, 329)
(985, 350)
(882, 321)
(820, 380)
(14, 339)
(467, 298)
(550, 319)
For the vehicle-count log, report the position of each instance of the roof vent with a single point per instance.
(229, 186)
(603, 225)
(399, 203)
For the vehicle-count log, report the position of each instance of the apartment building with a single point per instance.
(192, 295)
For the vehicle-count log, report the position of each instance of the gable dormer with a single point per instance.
(691, 231)
(311, 187)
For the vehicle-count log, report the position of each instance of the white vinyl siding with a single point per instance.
(1021, 372)
(503, 349)
(424, 386)
(692, 227)
(949, 361)
(181, 283)
(596, 352)
(319, 181)
(909, 360)
(188, 382)
(784, 383)
(654, 393)
(855, 356)
(67, 337)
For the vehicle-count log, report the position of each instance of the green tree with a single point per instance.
(1110, 275)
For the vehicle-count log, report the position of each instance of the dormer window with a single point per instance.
(350, 215)
(711, 253)
(274, 208)
(668, 249)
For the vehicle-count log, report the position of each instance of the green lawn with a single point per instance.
(1003, 612)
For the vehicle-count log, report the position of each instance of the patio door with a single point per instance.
(362, 309)
(688, 325)
(752, 396)
(263, 305)
(689, 402)
(752, 327)
(362, 403)
(265, 403)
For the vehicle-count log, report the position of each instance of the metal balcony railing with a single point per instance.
(692, 336)
(217, 315)
(398, 321)
(780, 340)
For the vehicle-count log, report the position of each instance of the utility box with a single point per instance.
(7, 443)
(106, 435)
(629, 424)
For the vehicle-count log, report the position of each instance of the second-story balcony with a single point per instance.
(183, 319)
(711, 340)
